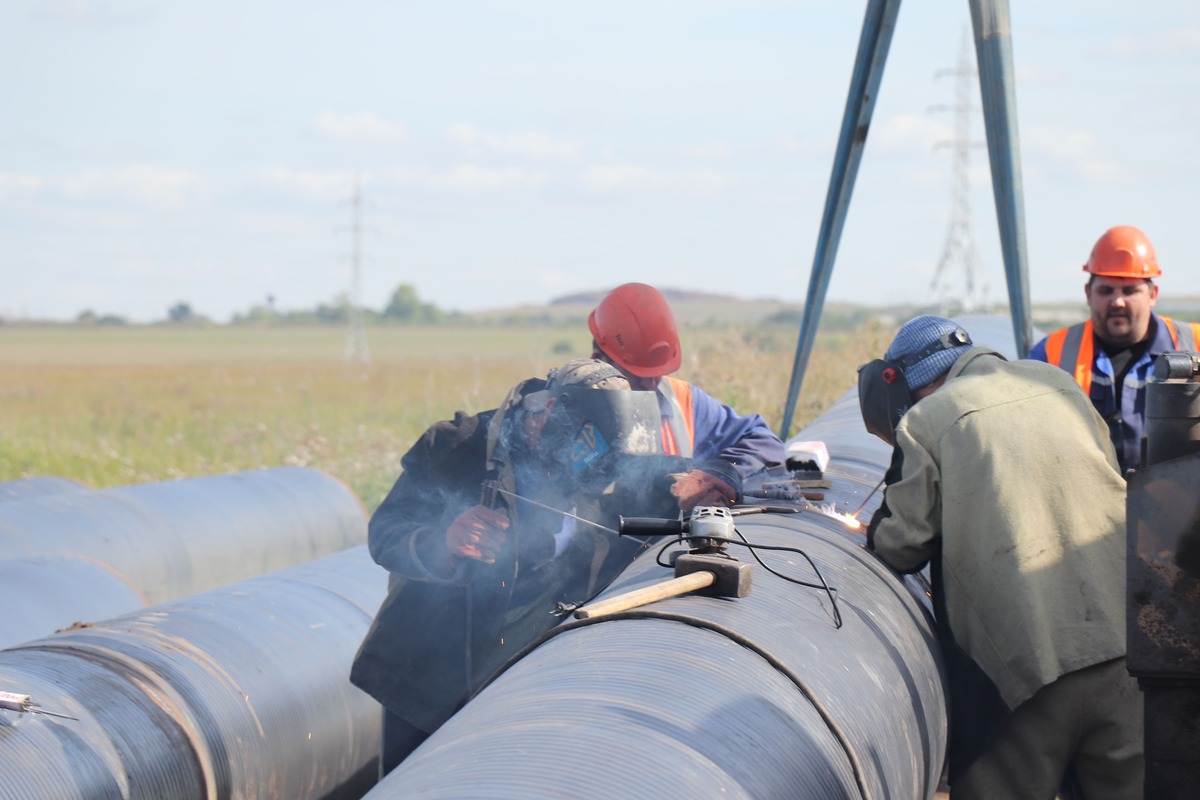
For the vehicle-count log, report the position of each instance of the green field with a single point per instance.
(121, 405)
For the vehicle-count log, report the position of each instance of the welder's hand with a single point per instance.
(698, 488)
(478, 533)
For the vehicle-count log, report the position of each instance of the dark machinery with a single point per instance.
(1163, 563)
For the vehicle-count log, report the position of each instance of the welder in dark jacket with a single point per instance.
(476, 573)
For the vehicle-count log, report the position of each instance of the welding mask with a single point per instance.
(883, 393)
(589, 431)
(883, 397)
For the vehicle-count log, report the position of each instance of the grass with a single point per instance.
(115, 406)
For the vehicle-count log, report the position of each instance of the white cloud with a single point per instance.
(143, 184)
(11, 184)
(1039, 75)
(89, 13)
(1164, 43)
(610, 178)
(470, 178)
(555, 279)
(103, 218)
(620, 176)
(910, 132)
(714, 151)
(806, 148)
(527, 145)
(1064, 143)
(411, 176)
(1075, 150)
(364, 128)
(327, 185)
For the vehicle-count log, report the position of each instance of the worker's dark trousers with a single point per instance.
(397, 739)
(1089, 721)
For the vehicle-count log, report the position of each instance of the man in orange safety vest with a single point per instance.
(1112, 354)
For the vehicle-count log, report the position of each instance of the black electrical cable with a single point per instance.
(838, 734)
(830, 592)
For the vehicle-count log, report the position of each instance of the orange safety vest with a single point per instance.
(1074, 345)
(678, 430)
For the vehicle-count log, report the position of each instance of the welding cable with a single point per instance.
(830, 592)
(834, 729)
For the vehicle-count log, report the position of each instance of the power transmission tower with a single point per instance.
(356, 338)
(959, 249)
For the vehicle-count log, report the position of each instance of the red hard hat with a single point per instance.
(1123, 252)
(634, 326)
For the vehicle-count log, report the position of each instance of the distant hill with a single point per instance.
(692, 309)
(703, 309)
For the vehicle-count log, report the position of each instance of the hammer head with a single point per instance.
(732, 576)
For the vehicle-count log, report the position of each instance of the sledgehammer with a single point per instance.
(710, 571)
(717, 575)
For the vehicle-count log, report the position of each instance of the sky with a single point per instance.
(512, 152)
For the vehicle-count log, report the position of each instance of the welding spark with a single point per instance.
(827, 510)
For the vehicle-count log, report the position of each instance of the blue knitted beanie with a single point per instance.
(918, 334)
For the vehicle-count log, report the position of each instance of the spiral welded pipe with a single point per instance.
(155, 542)
(239, 692)
(24, 488)
(40, 595)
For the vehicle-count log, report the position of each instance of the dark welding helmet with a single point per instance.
(591, 430)
(883, 392)
(883, 397)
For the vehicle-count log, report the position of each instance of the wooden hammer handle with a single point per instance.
(649, 594)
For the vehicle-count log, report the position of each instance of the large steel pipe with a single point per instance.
(175, 538)
(759, 697)
(240, 692)
(24, 488)
(39, 595)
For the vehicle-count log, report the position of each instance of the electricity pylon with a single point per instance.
(356, 338)
(959, 249)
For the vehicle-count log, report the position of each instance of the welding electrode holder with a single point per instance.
(23, 704)
(488, 493)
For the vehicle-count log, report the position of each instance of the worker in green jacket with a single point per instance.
(1004, 480)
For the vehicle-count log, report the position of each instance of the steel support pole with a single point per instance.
(997, 87)
(878, 26)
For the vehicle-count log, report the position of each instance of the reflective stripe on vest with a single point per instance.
(1185, 336)
(1073, 346)
(678, 432)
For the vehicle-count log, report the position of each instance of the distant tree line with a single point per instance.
(404, 307)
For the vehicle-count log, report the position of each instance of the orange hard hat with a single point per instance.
(1123, 252)
(634, 326)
